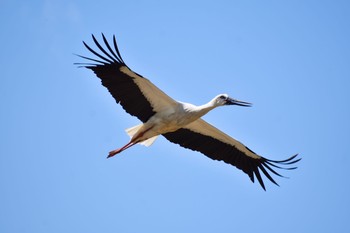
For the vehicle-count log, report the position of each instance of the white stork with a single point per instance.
(178, 122)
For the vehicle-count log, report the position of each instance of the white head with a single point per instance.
(224, 99)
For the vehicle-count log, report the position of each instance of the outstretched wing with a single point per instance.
(136, 94)
(205, 138)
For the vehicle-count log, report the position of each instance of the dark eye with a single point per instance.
(222, 97)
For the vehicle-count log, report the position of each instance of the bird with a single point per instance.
(180, 123)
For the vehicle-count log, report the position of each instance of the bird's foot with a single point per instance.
(117, 151)
(114, 152)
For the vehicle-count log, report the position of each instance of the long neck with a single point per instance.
(205, 108)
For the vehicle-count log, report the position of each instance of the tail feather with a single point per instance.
(133, 130)
(149, 141)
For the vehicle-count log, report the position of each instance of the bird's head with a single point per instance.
(224, 99)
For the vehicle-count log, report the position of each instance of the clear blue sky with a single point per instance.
(57, 123)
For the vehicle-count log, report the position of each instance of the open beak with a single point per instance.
(230, 101)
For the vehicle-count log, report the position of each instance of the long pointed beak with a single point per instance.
(231, 101)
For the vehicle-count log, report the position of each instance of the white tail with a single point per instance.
(149, 141)
(133, 130)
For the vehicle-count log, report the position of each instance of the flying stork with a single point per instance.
(178, 122)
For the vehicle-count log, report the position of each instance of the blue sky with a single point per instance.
(289, 58)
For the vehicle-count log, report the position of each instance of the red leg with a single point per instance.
(130, 144)
(117, 151)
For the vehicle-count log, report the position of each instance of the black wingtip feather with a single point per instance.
(267, 174)
(266, 163)
(97, 54)
(110, 49)
(106, 58)
(91, 59)
(286, 161)
(102, 49)
(116, 48)
(258, 176)
(271, 170)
